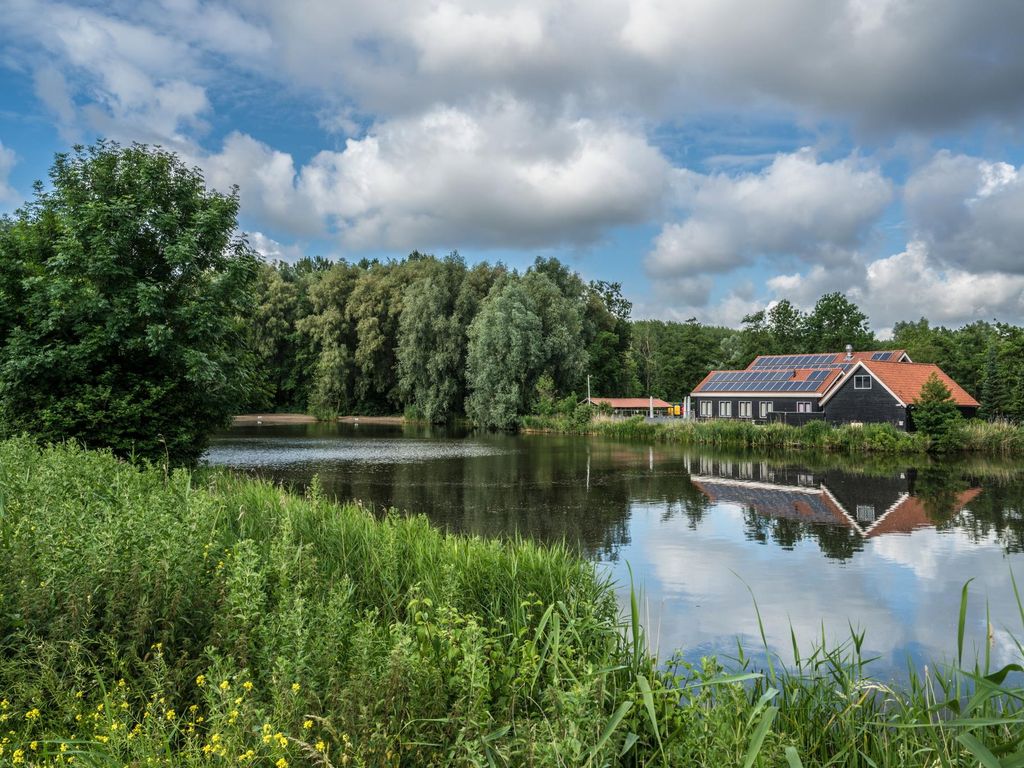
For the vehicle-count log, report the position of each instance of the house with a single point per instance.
(633, 406)
(840, 388)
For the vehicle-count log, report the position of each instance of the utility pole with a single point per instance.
(588, 389)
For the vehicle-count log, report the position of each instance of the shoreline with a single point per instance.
(277, 419)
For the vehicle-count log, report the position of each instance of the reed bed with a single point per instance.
(204, 619)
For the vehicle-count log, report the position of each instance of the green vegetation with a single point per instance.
(975, 436)
(937, 417)
(183, 619)
(121, 290)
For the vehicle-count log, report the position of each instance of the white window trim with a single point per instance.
(749, 414)
(861, 376)
(707, 408)
(765, 407)
(725, 409)
(809, 408)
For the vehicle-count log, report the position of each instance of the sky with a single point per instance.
(713, 156)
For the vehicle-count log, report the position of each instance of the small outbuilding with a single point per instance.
(633, 406)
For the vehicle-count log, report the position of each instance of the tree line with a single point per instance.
(134, 315)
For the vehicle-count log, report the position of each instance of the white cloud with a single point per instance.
(818, 211)
(271, 250)
(7, 160)
(505, 176)
(967, 211)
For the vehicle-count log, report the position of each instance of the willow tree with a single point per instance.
(123, 286)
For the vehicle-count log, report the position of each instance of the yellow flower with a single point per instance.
(247, 685)
(170, 714)
(307, 725)
(200, 680)
(18, 757)
(32, 714)
(296, 687)
(320, 746)
(224, 685)
(282, 763)
(34, 746)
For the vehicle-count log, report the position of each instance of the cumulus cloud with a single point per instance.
(7, 160)
(139, 84)
(966, 210)
(272, 250)
(506, 176)
(818, 211)
(884, 64)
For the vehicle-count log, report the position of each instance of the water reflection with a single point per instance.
(823, 543)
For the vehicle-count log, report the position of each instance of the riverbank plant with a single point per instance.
(976, 436)
(183, 619)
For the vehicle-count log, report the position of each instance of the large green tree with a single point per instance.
(123, 286)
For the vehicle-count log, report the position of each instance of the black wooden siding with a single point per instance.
(780, 405)
(868, 406)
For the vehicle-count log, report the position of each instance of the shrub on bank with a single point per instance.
(154, 619)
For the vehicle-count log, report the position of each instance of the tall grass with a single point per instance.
(187, 619)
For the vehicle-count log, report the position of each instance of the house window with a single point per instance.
(803, 407)
(705, 409)
(746, 409)
(865, 513)
(766, 407)
(724, 409)
(862, 382)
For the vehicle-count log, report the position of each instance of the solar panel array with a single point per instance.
(763, 381)
(795, 361)
(882, 355)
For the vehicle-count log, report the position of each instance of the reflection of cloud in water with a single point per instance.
(904, 590)
(258, 453)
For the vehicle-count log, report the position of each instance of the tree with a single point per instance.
(936, 415)
(835, 322)
(505, 358)
(993, 390)
(124, 286)
(432, 342)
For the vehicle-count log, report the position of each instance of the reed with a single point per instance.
(188, 619)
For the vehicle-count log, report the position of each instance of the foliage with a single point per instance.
(936, 415)
(122, 292)
(154, 619)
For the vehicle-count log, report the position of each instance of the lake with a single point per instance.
(822, 543)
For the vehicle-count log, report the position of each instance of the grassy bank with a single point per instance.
(212, 620)
(995, 438)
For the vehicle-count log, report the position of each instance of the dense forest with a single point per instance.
(439, 339)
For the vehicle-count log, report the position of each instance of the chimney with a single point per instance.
(849, 352)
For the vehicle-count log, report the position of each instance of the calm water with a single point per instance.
(822, 544)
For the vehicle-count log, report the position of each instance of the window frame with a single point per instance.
(857, 379)
(765, 407)
(804, 406)
(748, 412)
(725, 409)
(707, 409)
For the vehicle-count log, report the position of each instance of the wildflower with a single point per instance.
(18, 757)
(170, 714)
(281, 739)
(34, 746)
(296, 687)
(200, 680)
(282, 763)
(320, 746)
(307, 725)
(32, 714)
(247, 685)
(79, 694)
(224, 685)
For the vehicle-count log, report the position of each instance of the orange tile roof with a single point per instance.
(906, 379)
(630, 402)
(911, 514)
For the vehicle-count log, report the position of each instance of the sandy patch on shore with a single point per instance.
(252, 419)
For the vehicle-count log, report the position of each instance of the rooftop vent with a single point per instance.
(849, 352)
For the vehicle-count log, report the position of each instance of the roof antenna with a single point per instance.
(849, 351)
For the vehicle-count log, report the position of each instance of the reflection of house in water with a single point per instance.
(869, 506)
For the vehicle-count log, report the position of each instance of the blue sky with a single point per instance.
(712, 155)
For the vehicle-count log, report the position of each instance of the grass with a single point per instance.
(205, 619)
